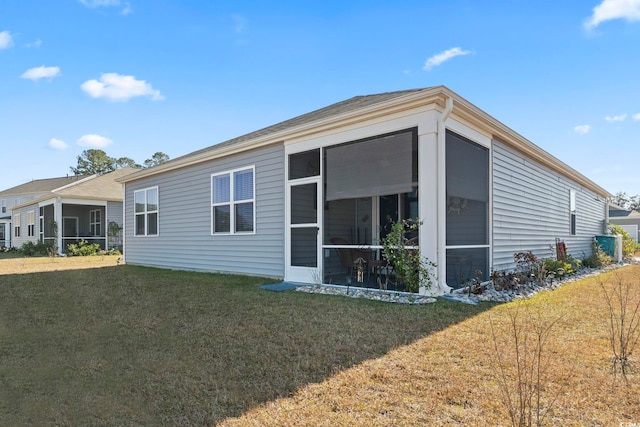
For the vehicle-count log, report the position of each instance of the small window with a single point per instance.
(2, 233)
(31, 223)
(16, 225)
(572, 212)
(305, 164)
(233, 202)
(95, 222)
(3, 205)
(146, 212)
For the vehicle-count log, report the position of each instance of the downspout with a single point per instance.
(442, 197)
(124, 221)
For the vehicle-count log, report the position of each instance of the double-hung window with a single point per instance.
(95, 222)
(31, 223)
(233, 201)
(16, 225)
(146, 212)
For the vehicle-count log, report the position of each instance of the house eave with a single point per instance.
(434, 96)
(395, 105)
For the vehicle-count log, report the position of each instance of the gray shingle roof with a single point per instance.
(103, 187)
(40, 186)
(624, 214)
(336, 109)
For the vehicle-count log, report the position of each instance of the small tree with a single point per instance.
(94, 161)
(412, 270)
(623, 304)
(523, 364)
(157, 159)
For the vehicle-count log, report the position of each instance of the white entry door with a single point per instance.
(303, 262)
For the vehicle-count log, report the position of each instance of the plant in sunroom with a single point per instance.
(411, 269)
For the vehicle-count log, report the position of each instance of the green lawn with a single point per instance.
(125, 345)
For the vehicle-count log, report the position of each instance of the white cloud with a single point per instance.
(618, 118)
(35, 44)
(636, 116)
(439, 58)
(239, 23)
(582, 129)
(613, 9)
(6, 41)
(116, 87)
(58, 144)
(100, 3)
(94, 141)
(41, 72)
(127, 9)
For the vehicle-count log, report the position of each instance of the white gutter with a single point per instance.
(442, 197)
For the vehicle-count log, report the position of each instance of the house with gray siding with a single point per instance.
(23, 193)
(84, 209)
(296, 199)
(629, 220)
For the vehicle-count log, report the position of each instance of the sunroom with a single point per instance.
(343, 199)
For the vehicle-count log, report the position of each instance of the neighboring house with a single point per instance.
(628, 220)
(23, 193)
(80, 210)
(287, 200)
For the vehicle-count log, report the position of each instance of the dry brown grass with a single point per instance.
(450, 377)
(42, 264)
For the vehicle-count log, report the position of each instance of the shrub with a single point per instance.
(629, 244)
(597, 258)
(557, 267)
(36, 249)
(82, 248)
(576, 264)
(410, 267)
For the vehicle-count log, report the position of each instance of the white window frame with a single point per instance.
(232, 203)
(95, 222)
(16, 225)
(146, 213)
(31, 223)
(572, 213)
(41, 223)
(3, 205)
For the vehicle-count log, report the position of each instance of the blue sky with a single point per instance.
(135, 77)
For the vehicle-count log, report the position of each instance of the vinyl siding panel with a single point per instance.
(185, 241)
(531, 209)
(24, 222)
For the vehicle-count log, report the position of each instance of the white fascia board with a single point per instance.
(81, 201)
(382, 109)
(72, 184)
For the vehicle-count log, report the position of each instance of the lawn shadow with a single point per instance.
(142, 345)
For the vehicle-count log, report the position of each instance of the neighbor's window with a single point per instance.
(233, 201)
(31, 223)
(16, 225)
(146, 212)
(572, 212)
(95, 222)
(3, 205)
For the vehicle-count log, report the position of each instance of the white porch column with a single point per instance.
(57, 217)
(428, 182)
